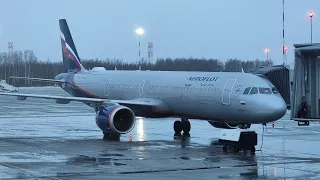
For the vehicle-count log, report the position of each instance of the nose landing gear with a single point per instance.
(183, 125)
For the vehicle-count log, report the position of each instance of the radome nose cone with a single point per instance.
(278, 108)
(272, 109)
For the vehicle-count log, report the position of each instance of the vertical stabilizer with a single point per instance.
(71, 60)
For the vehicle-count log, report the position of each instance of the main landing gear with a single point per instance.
(183, 125)
(111, 136)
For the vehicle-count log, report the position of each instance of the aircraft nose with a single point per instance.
(277, 108)
(270, 109)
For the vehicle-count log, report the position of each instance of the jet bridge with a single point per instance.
(306, 83)
(280, 77)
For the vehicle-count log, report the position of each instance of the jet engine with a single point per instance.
(225, 125)
(115, 119)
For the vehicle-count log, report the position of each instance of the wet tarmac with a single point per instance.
(43, 140)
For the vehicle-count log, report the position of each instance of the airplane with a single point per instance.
(227, 100)
(5, 87)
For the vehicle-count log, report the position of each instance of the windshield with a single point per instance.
(247, 90)
(260, 90)
(254, 90)
(265, 90)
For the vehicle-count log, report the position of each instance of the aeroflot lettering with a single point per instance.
(203, 78)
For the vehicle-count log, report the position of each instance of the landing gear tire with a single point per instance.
(224, 148)
(177, 126)
(236, 148)
(253, 150)
(186, 134)
(186, 126)
(111, 136)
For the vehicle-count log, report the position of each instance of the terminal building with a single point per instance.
(300, 87)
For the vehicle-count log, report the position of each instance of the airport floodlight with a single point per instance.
(140, 31)
(267, 52)
(285, 48)
(311, 14)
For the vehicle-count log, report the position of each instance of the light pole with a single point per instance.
(139, 32)
(311, 16)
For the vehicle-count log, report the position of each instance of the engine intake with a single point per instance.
(115, 119)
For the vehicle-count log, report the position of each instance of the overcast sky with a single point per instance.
(178, 28)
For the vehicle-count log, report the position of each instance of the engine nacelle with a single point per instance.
(223, 125)
(115, 119)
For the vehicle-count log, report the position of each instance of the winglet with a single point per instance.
(115, 68)
(242, 70)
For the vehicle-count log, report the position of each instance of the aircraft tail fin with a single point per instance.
(71, 60)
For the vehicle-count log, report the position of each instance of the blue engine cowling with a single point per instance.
(115, 119)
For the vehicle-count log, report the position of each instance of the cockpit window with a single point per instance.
(254, 90)
(246, 91)
(265, 90)
(274, 90)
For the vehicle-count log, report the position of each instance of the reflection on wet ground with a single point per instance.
(43, 140)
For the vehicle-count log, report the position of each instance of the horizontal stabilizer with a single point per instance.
(38, 79)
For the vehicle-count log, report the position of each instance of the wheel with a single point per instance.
(186, 126)
(177, 126)
(236, 148)
(252, 150)
(186, 134)
(224, 148)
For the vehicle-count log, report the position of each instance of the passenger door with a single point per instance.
(226, 93)
(107, 88)
(142, 88)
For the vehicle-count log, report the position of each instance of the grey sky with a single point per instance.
(178, 28)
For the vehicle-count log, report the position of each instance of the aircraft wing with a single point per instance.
(38, 79)
(93, 101)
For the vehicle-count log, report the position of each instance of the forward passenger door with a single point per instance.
(226, 93)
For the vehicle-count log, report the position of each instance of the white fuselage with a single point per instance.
(214, 96)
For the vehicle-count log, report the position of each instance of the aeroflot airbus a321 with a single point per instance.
(224, 99)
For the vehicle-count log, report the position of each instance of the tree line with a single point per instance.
(26, 64)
